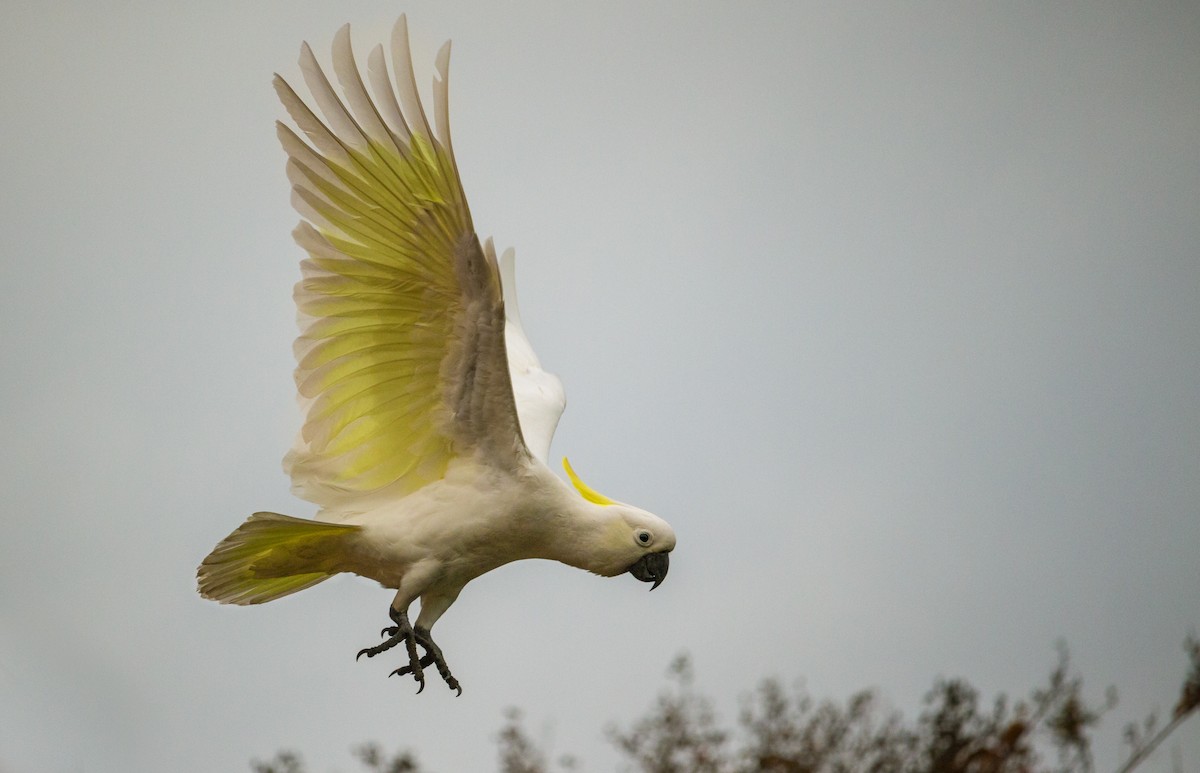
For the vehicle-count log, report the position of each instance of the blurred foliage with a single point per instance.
(781, 730)
(680, 733)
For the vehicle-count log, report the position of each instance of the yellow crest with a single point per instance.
(586, 491)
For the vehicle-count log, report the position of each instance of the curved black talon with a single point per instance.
(414, 660)
(425, 661)
(371, 652)
(412, 636)
(435, 652)
(405, 670)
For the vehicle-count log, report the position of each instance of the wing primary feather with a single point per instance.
(300, 204)
(410, 102)
(324, 139)
(343, 124)
(343, 277)
(318, 210)
(381, 198)
(441, 108)
(441, 96)
(361, 105)
(312, 126)
(406, 82)
(298, 150)
(385, 95)
(338, 213)
(318, 246)
(377, 198)
(337, 195)
(343, 130)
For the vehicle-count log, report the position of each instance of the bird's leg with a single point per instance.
(433, 656)
(403, 631)
(435, 652)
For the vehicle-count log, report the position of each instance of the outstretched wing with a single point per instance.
(401, 359)
(539, 395)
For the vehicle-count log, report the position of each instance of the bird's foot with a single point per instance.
(402, 631)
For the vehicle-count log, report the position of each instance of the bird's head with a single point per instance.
(633, 541)
(652, 540)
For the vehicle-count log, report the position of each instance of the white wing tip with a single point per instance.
(508, 284)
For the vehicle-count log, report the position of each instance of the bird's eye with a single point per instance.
(643, 537)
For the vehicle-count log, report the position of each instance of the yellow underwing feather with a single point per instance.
(401, 359)
(586, 491)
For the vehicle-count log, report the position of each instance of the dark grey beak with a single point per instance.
(651, 567)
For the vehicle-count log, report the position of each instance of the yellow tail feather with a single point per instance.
(270, 556)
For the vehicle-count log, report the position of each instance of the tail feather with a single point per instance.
(270, 556)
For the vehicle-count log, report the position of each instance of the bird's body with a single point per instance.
(428, 418)
(475, 519)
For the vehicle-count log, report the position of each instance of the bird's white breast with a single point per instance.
(473, 520)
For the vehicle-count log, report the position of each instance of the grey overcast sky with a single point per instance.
(893, 310)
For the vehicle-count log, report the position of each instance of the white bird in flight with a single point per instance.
(427, 416)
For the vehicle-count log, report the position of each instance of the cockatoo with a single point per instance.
(427, 415)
